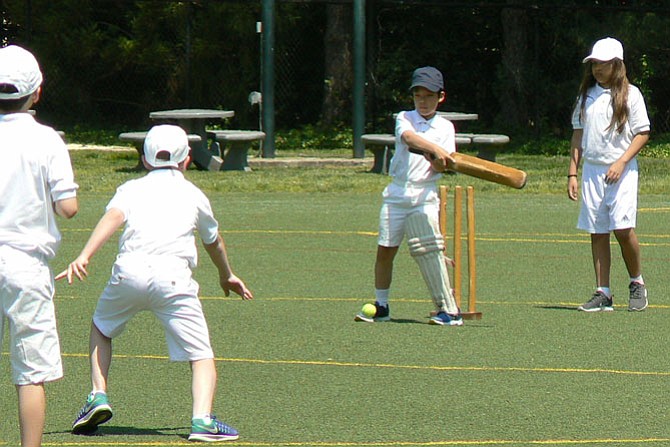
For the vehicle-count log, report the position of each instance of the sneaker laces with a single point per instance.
(598, 297)
(85, 409)
(636, 290)
(223, 427)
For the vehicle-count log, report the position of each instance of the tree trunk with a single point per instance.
(338, 65)
(514, 83)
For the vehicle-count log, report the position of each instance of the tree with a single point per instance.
(514, 91)
(338, 65)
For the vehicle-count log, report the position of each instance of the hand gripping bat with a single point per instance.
(485, 169)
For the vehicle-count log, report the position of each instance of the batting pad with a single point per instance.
(426, 246)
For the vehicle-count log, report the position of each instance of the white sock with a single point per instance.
(205, 417)
(605, 290)
(637, 279)
(382, 297)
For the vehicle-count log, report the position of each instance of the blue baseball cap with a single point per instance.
(427, 77)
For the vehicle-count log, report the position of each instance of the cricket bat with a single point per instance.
(485, 170)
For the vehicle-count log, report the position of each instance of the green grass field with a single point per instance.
(296, 370)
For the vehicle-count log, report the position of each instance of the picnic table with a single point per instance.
(194, 121)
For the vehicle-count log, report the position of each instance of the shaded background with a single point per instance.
(108, 63)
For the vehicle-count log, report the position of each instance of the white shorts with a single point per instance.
(608, 207)
(26, 304)
(165, 287)
(399, 202)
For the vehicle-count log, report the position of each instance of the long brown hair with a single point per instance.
(618, 87)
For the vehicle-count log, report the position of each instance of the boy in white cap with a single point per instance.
(610, 127)
(411, 202)
(36, 184)
(161, 212)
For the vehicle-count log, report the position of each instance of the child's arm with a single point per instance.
(217, 253)
(616, 168)
(107, 225)
(575, 159)
(67, 208)
(438, 157)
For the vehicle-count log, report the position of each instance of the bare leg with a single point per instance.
(100, 348)
(602, 258)
(203, 386)
(32, 413)
(630, 250)
(384, 266)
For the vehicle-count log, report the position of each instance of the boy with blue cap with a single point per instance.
(411, 202)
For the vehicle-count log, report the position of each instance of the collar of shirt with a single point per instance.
(16, 116)
(165, 172)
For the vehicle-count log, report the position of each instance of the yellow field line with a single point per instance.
(474, 442)
(397, 366)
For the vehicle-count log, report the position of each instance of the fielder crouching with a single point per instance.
(411, 202)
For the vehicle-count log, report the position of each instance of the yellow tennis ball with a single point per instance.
(369, 310)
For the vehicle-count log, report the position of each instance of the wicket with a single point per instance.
(471, 313)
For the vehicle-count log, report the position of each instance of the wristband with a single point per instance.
(572, 175)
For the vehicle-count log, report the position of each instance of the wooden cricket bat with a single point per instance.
(485, 170)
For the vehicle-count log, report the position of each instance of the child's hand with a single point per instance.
(441, 161)
(614, 172)
(573, 188)
(438, 164)
(76, 268)
(236, 285)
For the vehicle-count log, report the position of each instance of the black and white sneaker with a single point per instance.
(382, 314)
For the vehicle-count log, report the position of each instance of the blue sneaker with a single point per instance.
(96, 411)
(444, 319)
(382, 314)
(211, 431)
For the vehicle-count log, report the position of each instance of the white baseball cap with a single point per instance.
(165, 146)
(606, 50)
(19, 68)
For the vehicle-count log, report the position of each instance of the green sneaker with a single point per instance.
(96, 411)
(211, 431)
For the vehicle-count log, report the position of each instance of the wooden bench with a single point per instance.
(234, 147)
(137, 139)
(383, 144)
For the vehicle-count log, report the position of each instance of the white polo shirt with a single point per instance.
(601, 145)
(413, 168)
(162, 211)
(35, 171)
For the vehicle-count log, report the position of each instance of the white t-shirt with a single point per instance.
(601, 145)
(413, 168)
(35, 172)
(162, 212)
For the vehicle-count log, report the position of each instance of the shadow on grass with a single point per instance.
(130, 431)
(406, 321)
(558, 307)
